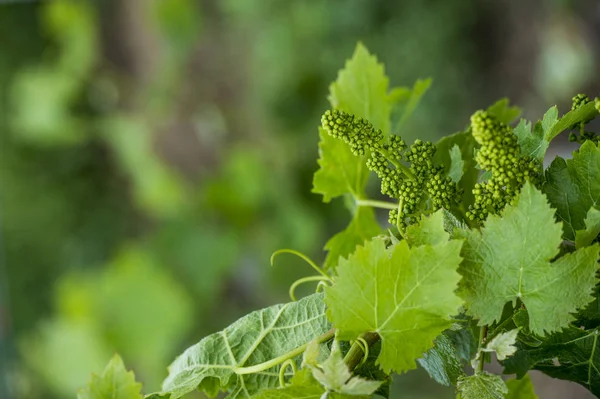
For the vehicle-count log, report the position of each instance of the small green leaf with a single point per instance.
(503, 111)
(573, 187)
(334, 375)
(581, 114)
(362, 228)
(509, 260)
(503, 344)
(361, 89)
(456, 164)
(114, 383)
(302, 385)
(442, 362)
(430, 230)
(535, 143)
(252, 340)
(520, 389)
(443, 156)
(481, 386)
(592, 229)
(405, 294)
(340, 172)
(404, 102)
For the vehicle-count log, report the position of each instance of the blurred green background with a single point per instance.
(154, 153)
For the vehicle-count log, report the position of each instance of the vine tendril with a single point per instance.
(284, 366)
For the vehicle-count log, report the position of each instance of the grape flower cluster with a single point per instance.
(579, 101)
(420, 185)
(500, 155)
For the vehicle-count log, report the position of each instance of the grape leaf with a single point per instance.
(510, 259)
(361, 89)
(456, 164)
(428, 230)
(573, 187)
(253, 339)
(481, 386)
(334, 375)
(503, 111)
(404, 102)
(592, 229)
(572, 354)
(520, 389)
(405, 294)
(303, 386)
(503, 344)
(581, 114)
(114, 383)
(466, 143)
(442, 362)
(535, 143)
(363, 227)
(340, 172)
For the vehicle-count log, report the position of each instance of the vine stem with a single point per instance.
(405, 170)
(356, 352)
(376, 204)
(482, 337)
(280, 359)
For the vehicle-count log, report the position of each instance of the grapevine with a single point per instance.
(486, 254)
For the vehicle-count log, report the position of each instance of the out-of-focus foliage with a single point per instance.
(154, 153)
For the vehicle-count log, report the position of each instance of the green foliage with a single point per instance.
(495, 263)
(114, 383)
(572, 189)
(237, 359)
(362, 227)
(520, 389)
(481, 386)
(390, 291)
(509, 260)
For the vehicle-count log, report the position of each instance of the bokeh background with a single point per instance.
(154, 153)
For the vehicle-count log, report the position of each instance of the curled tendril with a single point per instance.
(321, 286)
(322, 281)
(284, 366)
(303, 257)
(364, 346)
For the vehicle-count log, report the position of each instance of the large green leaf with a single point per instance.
(481, 386)
(405, 294)
(573, 187)
(362, 228)
(509, 260)
(114, 383)
(222, 360)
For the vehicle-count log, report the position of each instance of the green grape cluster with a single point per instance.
(420, 185)
(499, 155)
(578, 101)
